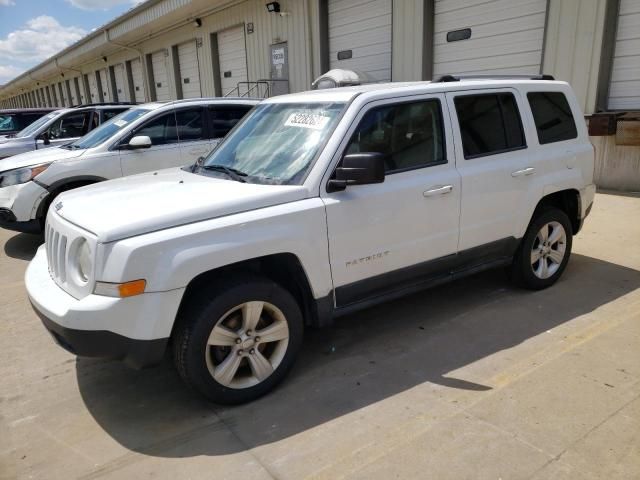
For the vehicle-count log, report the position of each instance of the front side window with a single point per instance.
(410, 135)
(276, 143)
(223, 119)
(161, 130)
(552, 116)
(190, 124)
(108, 129)
(489, 124)
(70, 126)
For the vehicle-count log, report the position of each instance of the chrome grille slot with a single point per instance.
(56, 247)
(62, 259)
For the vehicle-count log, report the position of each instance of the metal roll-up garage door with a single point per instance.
(232, 54)
(360, 36)
(189, 69)
(160, 75)
(488, 37)
(93, 89)
(624, 88)
(138, 80)
(63, 95)
(119, 74)
(104, 83)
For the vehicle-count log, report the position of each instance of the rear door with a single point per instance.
(164, 151)
(192, 134)
(493, 161)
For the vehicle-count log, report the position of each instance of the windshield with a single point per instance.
(276, 143)
(31, 129)
(108, 129)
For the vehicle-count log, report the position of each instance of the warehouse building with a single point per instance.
(172, 49)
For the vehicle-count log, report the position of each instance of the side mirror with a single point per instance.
(358, 169)
(44, 136)
(139, 141)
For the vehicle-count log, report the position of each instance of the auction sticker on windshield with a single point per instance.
(307, 120)
(120, 123)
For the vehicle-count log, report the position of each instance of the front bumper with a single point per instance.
(18, 207)
(135, 330)
(105, 344)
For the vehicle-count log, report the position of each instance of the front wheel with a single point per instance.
(544, 252)
(238, 342)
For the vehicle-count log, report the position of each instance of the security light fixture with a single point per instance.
(273, 7)
(104, 59)
(197, 23)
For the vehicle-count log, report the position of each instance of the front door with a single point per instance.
(164, 151)
(391, 235)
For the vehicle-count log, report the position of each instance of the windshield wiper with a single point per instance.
(231, 172)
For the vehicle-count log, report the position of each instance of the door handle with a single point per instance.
(524, 171)
(439, 190)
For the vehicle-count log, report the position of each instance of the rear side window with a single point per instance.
(190, 124)
(410, 135)
(489, 124)
(223, 119)
(553, 116)
(109, 114)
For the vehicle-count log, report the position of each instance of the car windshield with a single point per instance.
(35, 126)
(7, 123)
(276, 143)
(108, 129)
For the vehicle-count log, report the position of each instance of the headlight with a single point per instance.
(21, 175)
(83, 261)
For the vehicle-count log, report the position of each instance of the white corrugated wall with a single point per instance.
(506, 36)
(624, 88)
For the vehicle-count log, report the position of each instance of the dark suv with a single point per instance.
(13, 120)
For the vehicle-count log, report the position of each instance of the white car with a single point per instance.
(58, 127)
(317, 204)
(146, 137)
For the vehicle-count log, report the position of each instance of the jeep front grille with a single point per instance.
(56, 254)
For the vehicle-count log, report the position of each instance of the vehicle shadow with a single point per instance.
(23, 246)
(365, 358)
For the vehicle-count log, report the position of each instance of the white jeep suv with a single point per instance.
(146, 137)
(317, 204)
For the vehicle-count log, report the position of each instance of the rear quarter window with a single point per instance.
(552, 116)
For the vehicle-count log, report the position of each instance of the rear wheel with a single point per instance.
(239, 344)
(544, 252)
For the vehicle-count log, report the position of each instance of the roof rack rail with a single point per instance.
(100, 104)
(457, 78)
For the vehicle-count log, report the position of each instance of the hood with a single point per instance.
(4, 139)
(144, 203)
(35, 157)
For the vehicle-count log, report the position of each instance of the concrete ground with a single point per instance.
(471, 380)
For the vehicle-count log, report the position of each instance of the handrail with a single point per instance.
(251, 87)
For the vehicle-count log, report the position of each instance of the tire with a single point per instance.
(232, 370)
(528, 273)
